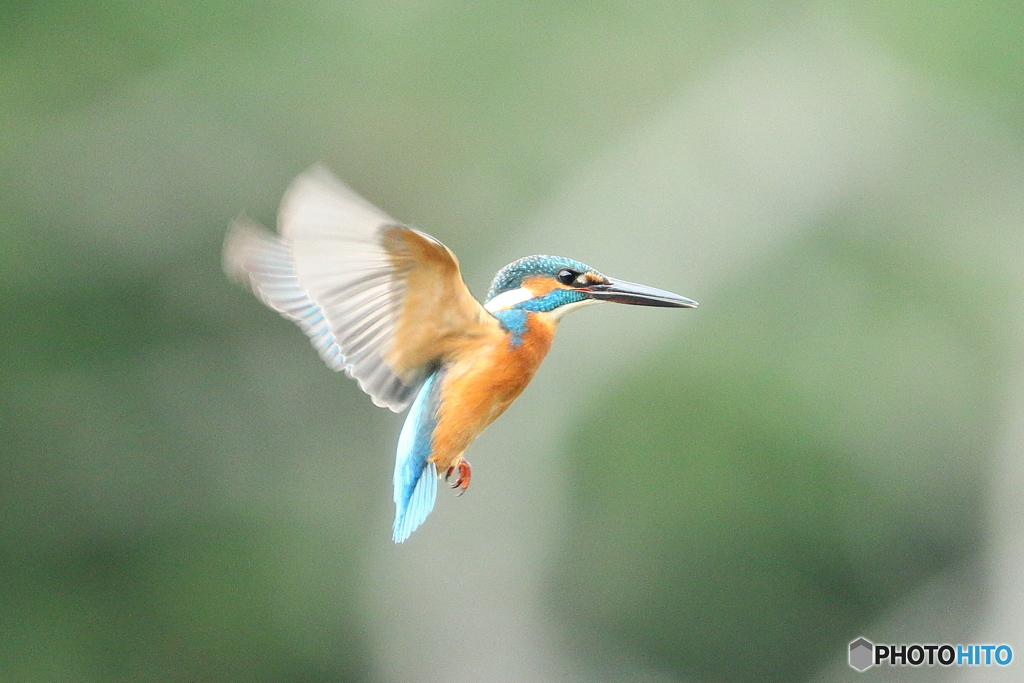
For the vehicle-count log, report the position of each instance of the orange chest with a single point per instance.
(482, 382)
(520, 353)
(505, 364)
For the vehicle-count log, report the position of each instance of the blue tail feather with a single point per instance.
(415, 475)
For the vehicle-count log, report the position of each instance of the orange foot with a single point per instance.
(462, 482)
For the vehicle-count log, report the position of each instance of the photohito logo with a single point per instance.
(864, 654)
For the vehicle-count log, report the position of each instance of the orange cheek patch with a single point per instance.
(541, 285)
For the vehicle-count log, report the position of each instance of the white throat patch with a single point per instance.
(508, 299)
(560, 312)
(512, 297)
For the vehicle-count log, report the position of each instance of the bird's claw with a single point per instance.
(462, 481)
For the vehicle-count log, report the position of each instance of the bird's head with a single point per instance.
(557, 285)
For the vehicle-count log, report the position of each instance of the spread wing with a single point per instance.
(382, 301)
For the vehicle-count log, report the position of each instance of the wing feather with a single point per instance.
(382, 301)
(255, 256)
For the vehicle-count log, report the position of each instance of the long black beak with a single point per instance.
(622, 292)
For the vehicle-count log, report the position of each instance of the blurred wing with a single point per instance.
(257, 257)
(392, 298)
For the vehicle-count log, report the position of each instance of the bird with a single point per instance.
(386, 304)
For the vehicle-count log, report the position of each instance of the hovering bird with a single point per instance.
(387, 304)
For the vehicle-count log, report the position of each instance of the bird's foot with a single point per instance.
(462, 481)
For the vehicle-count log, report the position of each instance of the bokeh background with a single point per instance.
(829, 447)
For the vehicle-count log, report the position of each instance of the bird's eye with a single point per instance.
(566, 276)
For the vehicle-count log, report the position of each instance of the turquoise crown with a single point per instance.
(511, 276)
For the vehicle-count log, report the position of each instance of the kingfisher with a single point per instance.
(387, 304)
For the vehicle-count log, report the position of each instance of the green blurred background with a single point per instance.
(828, 448)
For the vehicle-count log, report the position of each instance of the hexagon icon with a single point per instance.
(861, 654)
